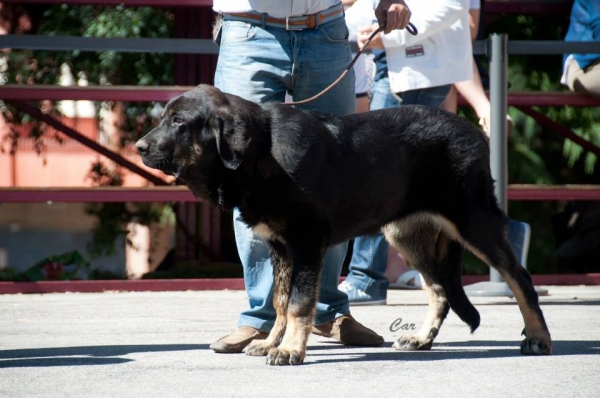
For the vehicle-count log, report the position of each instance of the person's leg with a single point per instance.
(259, 59)
(320, 56)
(255, 57)
(381, 96)
(450, 103)
(587, 81)
(474, 93)
(366, 283)
(362, 103)
(265, 61)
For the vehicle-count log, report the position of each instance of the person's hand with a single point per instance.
(393, 14)
(363, 35)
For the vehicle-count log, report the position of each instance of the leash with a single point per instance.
(410, 28)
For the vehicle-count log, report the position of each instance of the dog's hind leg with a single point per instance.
(425, 247)
(282, 270)
(485, 235)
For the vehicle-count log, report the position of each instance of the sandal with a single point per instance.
(410, 279)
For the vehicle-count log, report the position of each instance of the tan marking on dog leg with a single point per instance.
(537, 336)
(292, 349)
(538, 339)
(401, 235)
(263, 231)
(281, 288)
(417, 237)
(262, 347)
(451, 229)
(423, 339)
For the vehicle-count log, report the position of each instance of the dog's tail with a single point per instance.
(452, 284)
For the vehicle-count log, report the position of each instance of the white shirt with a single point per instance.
(275, 8)
(441, 53)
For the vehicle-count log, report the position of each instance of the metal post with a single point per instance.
(497, 46)
(498, 140)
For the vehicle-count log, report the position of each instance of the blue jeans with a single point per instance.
(369, 253)
(381, 96)
(261, 64)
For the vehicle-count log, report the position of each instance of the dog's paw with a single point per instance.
(281, 356)
(533, 346)
(257, 348)
(413, 343)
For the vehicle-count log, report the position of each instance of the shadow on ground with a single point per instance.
(329, 353)
(452, 351)
(81, 356)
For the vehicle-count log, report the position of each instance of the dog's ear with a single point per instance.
(231, 137)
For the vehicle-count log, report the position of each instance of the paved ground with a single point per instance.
(156, 345)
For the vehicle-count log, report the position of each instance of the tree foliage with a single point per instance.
(100, 68)
(43, 67)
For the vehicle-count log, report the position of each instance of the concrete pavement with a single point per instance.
(150, 344)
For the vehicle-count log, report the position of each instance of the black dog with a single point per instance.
(305, 181)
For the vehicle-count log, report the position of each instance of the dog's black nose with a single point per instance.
(142, 146)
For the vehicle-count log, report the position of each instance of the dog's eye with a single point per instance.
(177, 121)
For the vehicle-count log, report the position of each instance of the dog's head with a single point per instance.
(201, 132)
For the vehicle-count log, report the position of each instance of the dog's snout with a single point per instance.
(142, 146)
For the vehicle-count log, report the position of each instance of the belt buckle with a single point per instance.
(287, 25)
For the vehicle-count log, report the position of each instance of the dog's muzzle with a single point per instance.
(155, 160)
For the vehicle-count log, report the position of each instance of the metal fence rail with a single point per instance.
(207, 46)
(132, 45)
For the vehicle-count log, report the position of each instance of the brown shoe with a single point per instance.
(238, 340)
(349, 331)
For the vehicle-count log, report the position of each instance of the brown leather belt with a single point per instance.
(300, 22)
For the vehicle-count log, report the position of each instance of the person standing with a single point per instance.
(410, 70)
(268, 49)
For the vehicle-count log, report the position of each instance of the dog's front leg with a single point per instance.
(307, 263)
(282, 271)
